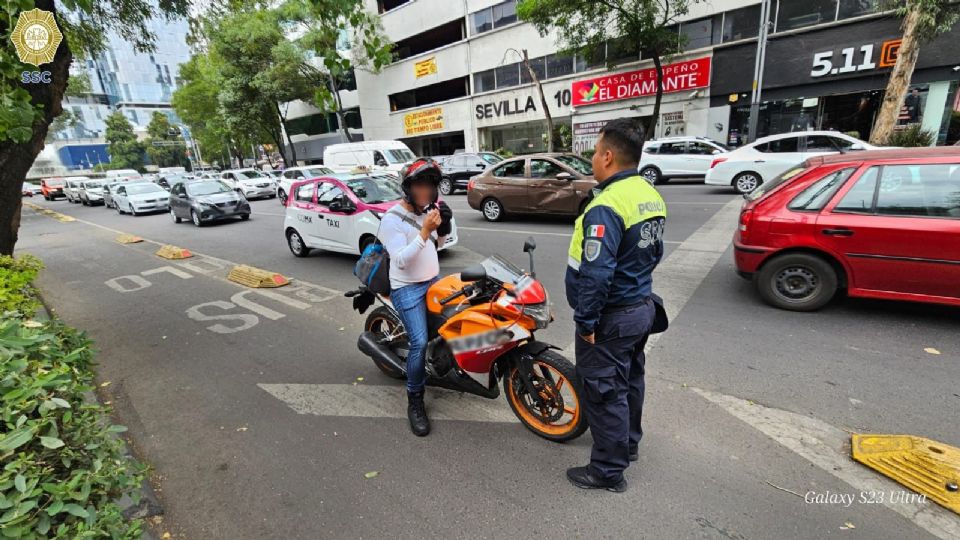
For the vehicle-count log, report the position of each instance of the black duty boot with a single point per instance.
(417, 413)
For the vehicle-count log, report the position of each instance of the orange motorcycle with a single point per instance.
(481, 326)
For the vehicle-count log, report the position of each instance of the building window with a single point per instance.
(433, 93)
(559, 66)
(698, 33)
(505, 13)
(494, 17)
(387, 5)
(741, 23)
(623, 49)
(429, 40)
(589, 61)
(539, 66)
(484, 81)
(792, 14)
(857, 8)
(508, 75)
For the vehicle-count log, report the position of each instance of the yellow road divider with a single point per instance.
(129, 239)
(49, 213)
(173, 252)
(255, 277)
(926, 466)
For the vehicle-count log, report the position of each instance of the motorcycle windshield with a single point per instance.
(502, 270)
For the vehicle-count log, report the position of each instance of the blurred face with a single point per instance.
(604, 161)
(423, 193)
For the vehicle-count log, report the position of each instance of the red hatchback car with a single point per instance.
(879, 224)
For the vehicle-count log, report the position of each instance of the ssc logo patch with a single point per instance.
(591, 249)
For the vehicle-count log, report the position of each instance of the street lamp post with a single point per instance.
(759, 61)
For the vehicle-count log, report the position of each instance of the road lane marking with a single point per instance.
(828, 448)
(370, 401)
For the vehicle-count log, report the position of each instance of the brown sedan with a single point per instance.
(536, 184)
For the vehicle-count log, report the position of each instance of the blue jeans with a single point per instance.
(410, 302)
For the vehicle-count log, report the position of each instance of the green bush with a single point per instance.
(504, 153)
(16, 275)
(912, 136)
(63, 467)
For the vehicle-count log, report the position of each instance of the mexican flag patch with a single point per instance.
(595, 231)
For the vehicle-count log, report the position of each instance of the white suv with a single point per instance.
(678, 157)
(749, 166)
(250, 182)
(294, 174)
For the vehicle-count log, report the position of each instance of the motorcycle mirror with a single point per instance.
(528, 248)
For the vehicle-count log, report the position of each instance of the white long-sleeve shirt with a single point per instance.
(412, 260)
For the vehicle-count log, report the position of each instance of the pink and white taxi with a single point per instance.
(341, 212)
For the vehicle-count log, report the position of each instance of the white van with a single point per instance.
(377, 155)
(116, 175)
(165, 171)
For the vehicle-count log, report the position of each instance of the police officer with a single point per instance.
(616, 244)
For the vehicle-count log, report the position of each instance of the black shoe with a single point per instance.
(584, 479)
(417, 413)
(634, 454)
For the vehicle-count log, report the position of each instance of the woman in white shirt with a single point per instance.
(411, 232)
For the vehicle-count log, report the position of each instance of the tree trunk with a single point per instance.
(341, 118)
(543, 100)
(17, 158)
(283, 129)
(656, 102)
(899, 78)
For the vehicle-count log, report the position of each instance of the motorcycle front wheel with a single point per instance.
(559, 416)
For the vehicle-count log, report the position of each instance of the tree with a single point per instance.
(923, 20)
(126, 152)
(28, 109)
(323, 23)
(543, 98)
(588, 26)
(165, 144)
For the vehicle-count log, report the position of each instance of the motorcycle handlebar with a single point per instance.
(455, 295)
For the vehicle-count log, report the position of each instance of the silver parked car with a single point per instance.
(140, 197)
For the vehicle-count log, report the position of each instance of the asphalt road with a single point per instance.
(251, 410)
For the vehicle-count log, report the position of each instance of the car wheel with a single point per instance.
(446, 186)
(45, 197)
(117, 206)
(797, 282)
(283, 197)
(173, 214)
(131, 209)
(296, 245)
(746, 182)
(492, 210)
(195, 218)
(652, 174)
(84, 202)
(244, 217)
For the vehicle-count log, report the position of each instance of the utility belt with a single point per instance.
(617, 308)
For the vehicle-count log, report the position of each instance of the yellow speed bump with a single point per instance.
(129, 239)
(255, 277)
(173, 252)
(926, 466)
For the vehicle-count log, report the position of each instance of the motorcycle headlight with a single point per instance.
(540, 313)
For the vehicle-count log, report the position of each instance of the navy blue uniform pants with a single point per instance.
(611, 371)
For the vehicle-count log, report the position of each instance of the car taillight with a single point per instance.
(717, 161)
(471, 183)
(746, 216)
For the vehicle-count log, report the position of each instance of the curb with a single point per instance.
(149, 505)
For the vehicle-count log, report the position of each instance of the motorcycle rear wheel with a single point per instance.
(562, 417)
(384, 323)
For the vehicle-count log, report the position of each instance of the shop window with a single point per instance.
(857, 8)
(741, 23)
(484, 81)
(817, 194)
(541, 168)
(920, 190)
(860, 196)
(511, 169)
(559, 66)
(508, 76)
(697, 34)
(780, 146)
(792, 14)
(505, 13)
(539, 66)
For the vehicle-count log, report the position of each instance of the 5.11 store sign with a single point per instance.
(854, 59)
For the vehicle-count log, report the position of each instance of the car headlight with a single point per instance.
(540, 313)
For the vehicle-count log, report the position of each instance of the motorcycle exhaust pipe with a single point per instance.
(370, 346)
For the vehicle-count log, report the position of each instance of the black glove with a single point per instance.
(446, 217)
